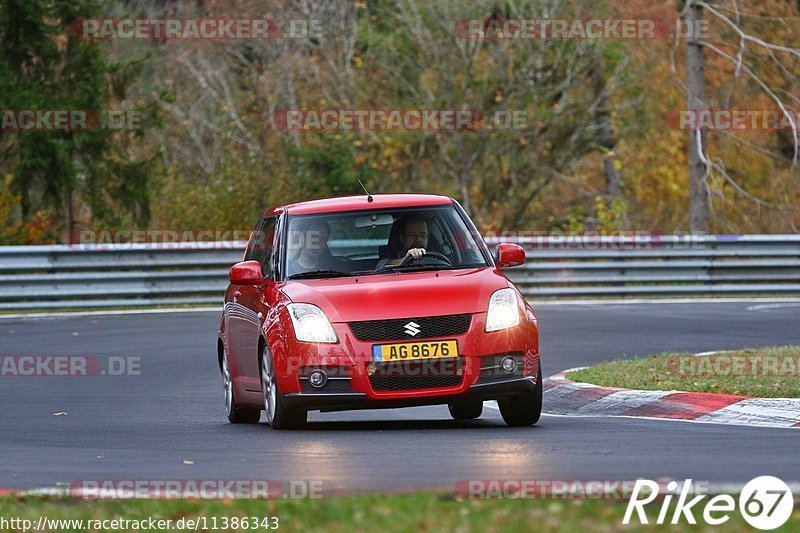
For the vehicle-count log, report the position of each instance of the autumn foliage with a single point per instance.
(210, 154)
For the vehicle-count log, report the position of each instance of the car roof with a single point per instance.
(356, 203)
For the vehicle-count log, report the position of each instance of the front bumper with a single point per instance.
(359, 400)
(353, 386)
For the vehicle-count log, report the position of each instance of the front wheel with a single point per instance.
(523, 409)
(278, 415)
(236, 414)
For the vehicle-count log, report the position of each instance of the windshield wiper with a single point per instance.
(325, 273)
(411, 268)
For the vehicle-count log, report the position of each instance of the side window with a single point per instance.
(261, 245)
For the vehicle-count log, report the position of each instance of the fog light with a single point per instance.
(508, 364)
(371, 369)
(317, 378)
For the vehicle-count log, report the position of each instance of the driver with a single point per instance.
(414, 238)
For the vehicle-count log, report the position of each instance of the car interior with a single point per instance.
(359, 241)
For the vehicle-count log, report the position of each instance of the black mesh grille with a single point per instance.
(334, 386)
(429, 327)
(416, 375)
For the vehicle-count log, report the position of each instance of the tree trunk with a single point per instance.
(70, 218)
(699, 200)
(606, 137)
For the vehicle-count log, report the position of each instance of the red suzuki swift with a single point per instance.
(376, 302)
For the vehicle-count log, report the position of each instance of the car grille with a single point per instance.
(429, 327)
(416, 375)
(334, 386)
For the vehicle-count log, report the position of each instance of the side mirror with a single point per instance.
(509, 255)
(246, 273)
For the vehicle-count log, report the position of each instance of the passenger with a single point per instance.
(294, 244)
(310, 248)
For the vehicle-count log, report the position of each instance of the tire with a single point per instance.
(465, 410)
(279, 416)
(523, 409)
(236, 414)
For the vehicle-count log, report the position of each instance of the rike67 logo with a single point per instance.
(765, 503)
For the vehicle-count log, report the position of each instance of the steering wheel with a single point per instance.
(433, 255)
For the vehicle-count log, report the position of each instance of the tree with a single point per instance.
(759, 73)
(695, 89)
(500, 175)
(44, 67)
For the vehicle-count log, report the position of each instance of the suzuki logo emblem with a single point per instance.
(412, 328)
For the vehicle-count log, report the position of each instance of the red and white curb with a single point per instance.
(563, 396)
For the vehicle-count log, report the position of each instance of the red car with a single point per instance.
(376, 302)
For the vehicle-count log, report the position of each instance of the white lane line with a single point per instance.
(771, 306)
(541, 303)
(69, 314)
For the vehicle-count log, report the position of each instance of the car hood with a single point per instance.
(399, 295)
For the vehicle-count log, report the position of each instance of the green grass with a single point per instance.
(686, 372)
(419, 511)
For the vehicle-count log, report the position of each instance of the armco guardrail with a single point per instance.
(652, 266)
(61, 276)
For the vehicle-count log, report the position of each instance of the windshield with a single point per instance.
(386, 240)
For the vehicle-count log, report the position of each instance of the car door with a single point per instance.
(250, 304)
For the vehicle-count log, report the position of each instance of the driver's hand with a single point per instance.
(416, 253)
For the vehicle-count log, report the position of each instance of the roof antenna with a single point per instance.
(369, 196)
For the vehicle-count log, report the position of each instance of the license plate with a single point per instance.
(414, 351)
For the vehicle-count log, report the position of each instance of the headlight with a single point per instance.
(503, 310)
(311, 324)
